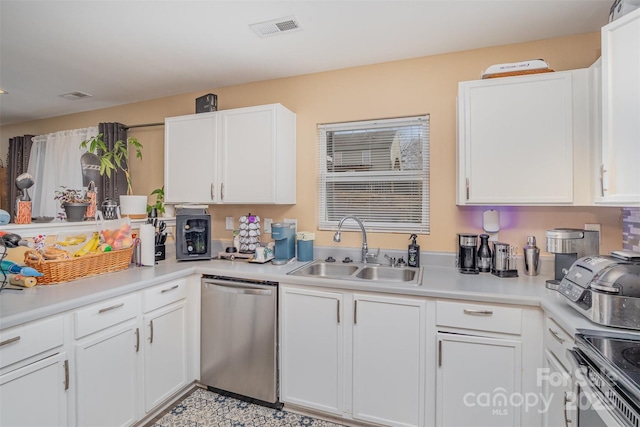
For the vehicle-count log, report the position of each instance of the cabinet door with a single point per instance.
(558, 392)
(36, 394)
(388, 360)
(107, 377)
(621, 111)
(258, 155)
(165, 353)
(510, 127)
(190, 159)
(311, 349)
(476, 377)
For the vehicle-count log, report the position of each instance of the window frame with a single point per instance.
(421, 176)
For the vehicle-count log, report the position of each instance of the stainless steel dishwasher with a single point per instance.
(239, 338)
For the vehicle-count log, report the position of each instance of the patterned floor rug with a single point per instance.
(205, 408)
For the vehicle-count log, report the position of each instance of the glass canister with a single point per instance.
(305, 245)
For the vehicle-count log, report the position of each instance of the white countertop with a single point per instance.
(17, 307)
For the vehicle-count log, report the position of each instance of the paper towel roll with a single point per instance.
(148, 244)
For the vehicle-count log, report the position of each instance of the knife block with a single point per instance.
(160, 252)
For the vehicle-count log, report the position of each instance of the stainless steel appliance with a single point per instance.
(569, 244)
(606, 375)
(468, 253)
(193, 234)
(238, 345)
(604, 289)
(503, 260)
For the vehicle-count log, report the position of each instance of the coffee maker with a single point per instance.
(468, 253)
(283, 233)
(193, 234)
(569, 244)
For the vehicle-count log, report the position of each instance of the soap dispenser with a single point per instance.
(413, 257)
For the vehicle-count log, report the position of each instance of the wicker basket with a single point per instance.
(65, 270)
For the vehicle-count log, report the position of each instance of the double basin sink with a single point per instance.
(361, 272)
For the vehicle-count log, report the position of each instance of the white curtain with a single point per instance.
(55, 162)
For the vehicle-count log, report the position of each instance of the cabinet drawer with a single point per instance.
(105, 314)
(479, 317)
(164, 294)
(557, 341)
(27, 340)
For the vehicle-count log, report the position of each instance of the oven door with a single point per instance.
(591, 408)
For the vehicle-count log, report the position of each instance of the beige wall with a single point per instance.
(401, 88)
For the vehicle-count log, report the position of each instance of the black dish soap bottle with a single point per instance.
(414, 252)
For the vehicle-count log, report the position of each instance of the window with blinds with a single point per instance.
(378, 171)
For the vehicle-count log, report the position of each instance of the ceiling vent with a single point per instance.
(72, 96)
(288, 24)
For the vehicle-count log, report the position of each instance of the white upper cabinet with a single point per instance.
(619, 173)
(520, 139)
(189, 159)
(243, 155)
(258, 155)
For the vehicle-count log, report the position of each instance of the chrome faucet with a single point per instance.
(365, 249)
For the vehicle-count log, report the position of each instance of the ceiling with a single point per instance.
(127, 51)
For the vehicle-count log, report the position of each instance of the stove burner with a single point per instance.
(632, 355)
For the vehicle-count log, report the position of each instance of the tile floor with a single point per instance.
(206, 408)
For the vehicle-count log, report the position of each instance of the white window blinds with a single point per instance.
(377, 171)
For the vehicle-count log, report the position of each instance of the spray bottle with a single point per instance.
(414, 252)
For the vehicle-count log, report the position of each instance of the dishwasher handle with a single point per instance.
(237, 289)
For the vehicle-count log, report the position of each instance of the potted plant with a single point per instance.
(74, 202)
(118, 158)
(159, 204)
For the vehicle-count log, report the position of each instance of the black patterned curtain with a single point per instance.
(115, 186)
(17, 163)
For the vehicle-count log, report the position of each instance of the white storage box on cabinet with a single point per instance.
(34, 374)
(165, 342)
(510, 127)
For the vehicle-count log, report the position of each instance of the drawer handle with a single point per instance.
(478, 312)
(137, 339)
(170, 289)
(10, 340)
(151, 334)
(113, 307)
(556, 336)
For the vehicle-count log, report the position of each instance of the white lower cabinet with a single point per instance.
(311, 346)
(165, 353)
(36, 394)
(558, 392)
(488, 364)
(34, 374)
(476, 378)
(107, 376)
(388, 360)
(369, 346)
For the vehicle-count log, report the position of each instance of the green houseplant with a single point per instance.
(74, 202)
(159, 204)
(115, 159)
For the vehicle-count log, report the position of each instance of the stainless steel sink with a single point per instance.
(326, 269)
(391, 274)
(361, 272)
